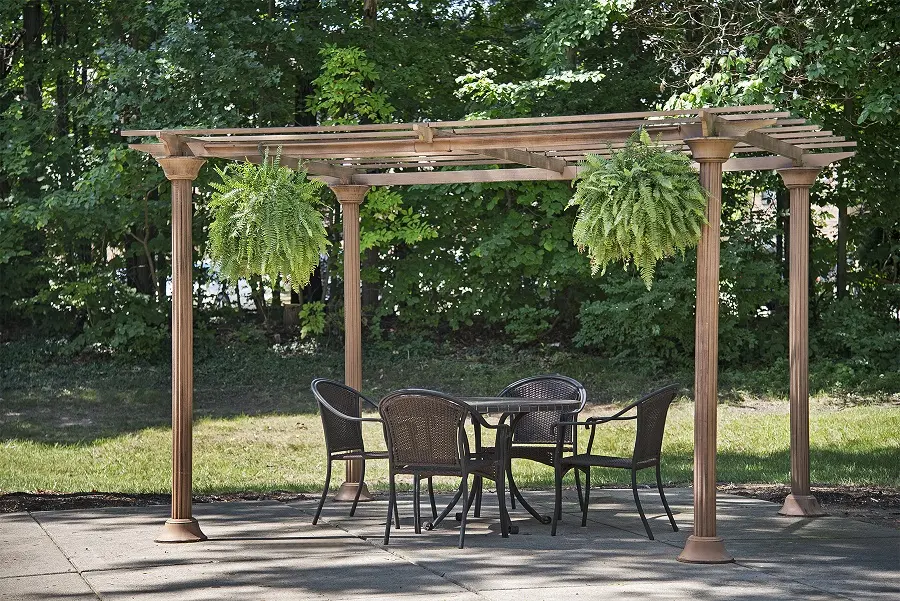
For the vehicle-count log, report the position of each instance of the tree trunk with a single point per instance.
(370, 13)
(782, 200)
(841, 278)
(34, 17)
(276, 295)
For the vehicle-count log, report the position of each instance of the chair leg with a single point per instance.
(637, 501)
(396, 512)
(362, 478)
(477, 489)
(447, 509)
(505, 523)
(434, 513)
(578, 487)
(324, 493)
(466, 504)
(587, 496)
(512, 486)
(392, 503)
(557, 507)
(665, 503)
(417, 504)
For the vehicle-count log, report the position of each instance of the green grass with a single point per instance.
(70, 426)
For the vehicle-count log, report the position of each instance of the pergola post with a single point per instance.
(182, 527)
(800, 502)
(350, 197)
(703, 546)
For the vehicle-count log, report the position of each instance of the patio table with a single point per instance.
(510, 410)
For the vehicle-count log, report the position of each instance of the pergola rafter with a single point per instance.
(352, 158)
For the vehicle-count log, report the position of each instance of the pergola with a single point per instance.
(352, 158)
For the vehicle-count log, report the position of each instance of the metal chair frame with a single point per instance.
(647, 452)
(348, 444)
(461, 462)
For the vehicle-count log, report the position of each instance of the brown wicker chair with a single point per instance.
(534, 435)
(650, 413)
(426, 436)
(340, 407)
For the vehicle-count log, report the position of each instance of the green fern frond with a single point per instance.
(266, 220)
(640, 205)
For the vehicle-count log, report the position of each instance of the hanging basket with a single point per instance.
(266, 220)
(639, 206)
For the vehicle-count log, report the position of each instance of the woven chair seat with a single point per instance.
(361, 455)
(597, 461)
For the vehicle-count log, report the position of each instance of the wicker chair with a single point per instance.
(534, 435)
(650, 413)
(426, 436)
(340, 407)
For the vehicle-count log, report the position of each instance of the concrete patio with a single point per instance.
(270, 551)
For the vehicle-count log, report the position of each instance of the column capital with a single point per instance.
(181, 167)
(350, 193)
(710, 150)
(799, 177)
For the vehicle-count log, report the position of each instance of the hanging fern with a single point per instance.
(266, 221)
(641, 205)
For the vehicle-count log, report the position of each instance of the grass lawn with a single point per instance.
(75, 427)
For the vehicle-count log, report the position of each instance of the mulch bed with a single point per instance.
(870, 504)
(52, 501)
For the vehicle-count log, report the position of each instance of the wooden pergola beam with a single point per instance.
(343, 175)
(523, 157)
(776, 146)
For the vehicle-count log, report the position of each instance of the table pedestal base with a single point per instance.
(347, 492)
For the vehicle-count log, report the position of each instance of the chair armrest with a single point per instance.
(586, 424)
(342, 415)
(371, 403)
(593, 421)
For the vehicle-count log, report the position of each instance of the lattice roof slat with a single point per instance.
(539, 148)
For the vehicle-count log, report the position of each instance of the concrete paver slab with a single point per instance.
(122, 537)
(271, 551)
(46, 587)
(354, 576)
(25, 549)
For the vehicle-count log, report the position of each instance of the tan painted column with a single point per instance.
(800, 502)
(182, 527)
(703, 546)
(351, 197)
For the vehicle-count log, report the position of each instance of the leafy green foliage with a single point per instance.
(344, 91)
(387, 223)
(266, 221)
(641, 205)
(312, 319)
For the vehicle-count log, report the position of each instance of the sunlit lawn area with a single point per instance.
(81, 427)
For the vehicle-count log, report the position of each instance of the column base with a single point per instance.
(347, 492)
(180, 531)
(806, 506)
(705, 549)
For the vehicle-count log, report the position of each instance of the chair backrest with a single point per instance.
(651, 423)
(424, 428)
(340, 434)
(537, 427)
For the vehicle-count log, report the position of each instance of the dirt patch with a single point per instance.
(50, 501)
(869, 504)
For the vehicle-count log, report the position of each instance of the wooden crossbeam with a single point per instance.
(344, 175)
(523, 157)
(174, 145)
(775, 146)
